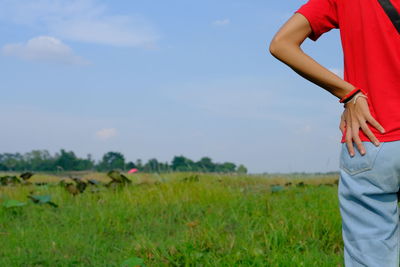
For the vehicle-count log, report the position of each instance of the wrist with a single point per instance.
(344, 90)
(351, 94)
(353, 100)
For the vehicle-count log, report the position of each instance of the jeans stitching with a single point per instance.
(369, 167)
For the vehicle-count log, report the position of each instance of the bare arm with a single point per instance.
(285, 46)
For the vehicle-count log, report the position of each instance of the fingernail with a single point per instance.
(377, 143)
(383, 131)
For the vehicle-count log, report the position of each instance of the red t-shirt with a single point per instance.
(371, 50)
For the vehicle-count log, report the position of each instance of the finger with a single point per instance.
(349, 142)
(368, 116)
(342, 125)
(357, 140)
(369, 134)
(376, 124)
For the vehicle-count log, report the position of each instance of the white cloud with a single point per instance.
(81, 20)
(107, 133)
(337, 71)
(222, 22)
(115, 31)
(44, 48)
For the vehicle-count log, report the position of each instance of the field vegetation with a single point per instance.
(173, 219)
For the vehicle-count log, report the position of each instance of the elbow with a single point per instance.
(275, 47)
(279, 47)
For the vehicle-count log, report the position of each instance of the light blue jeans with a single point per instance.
(368, 205)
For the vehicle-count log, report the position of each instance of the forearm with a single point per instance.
(307, 67)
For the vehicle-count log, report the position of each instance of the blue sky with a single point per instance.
(164, 78)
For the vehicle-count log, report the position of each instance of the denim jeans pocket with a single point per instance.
(358, 163)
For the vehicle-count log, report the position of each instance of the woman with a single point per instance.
(370, 123)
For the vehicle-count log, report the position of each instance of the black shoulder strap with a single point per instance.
(391, 12)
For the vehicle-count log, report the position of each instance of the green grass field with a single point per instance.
(167, 220)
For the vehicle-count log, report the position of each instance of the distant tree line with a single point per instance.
(42, 160)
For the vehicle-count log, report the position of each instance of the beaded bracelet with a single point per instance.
(357, 96)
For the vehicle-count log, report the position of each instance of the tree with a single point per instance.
(152, 165)
(67, 160)
(181, 163)
(39, 160)
(225, 167)
(130, 165)
(164, 167)
(112, 161)
(139, 164)
(42, 160)
(241, 169)
(12, 162)
(86, 164)
(206, 164)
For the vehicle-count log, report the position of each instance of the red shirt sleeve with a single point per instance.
(322, 16)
